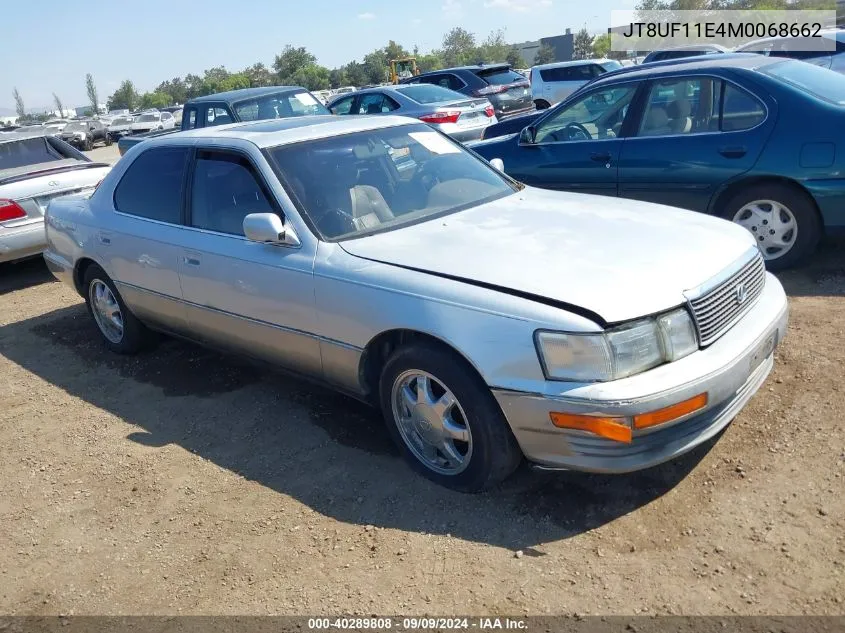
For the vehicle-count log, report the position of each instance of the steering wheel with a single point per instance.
(577, 132)
(335, 221)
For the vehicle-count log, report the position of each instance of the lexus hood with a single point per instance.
(621, 259)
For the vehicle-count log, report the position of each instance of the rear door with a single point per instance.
(578, 143)
(696, 133)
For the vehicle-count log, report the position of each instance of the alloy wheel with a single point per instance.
(431, 422)
(106, 311)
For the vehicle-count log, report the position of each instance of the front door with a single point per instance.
(251, 297)
(696, 133)
(577, 145)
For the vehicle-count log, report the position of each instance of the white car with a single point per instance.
(56, 123)
(149, 121)
(345, 90)
(552, 83)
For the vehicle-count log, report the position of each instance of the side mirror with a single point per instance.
(498, 164)
(268, 228)
(528, 136)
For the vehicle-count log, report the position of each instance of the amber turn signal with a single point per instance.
(661, 416)
(611, 428)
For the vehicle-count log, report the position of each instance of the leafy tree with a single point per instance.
(601, 45)
(545, 55)
(155, 100)
(432, 61)
(514, 58)
(124, 97)
(458, 47)
(92, 93)
(495, 48)
(355, 74)
(375, 67)
(312, 77)
(195, 86)
(176, 88)
(19, 103)
(58, 103)
(337, 78)
(259, 75)
(394, 51)
(582, 47)
(290, 60)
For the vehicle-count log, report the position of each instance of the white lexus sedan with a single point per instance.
(489, 321)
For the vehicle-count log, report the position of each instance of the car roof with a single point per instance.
(574, 62)
(471, 68)
(233, 96)
(273, 132)
(692, 47)
(750, 61)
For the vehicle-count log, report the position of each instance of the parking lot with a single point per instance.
(185, 481)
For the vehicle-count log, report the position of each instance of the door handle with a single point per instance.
(733, 152)
(191, 261)
(600, 157)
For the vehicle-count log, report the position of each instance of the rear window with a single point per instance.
(279, 106)
(499, 76)
(429, 93)
(147, 118)
(819, 82)
(30, 151)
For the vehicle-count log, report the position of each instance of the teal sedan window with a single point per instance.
(598, 114)
(682, 106)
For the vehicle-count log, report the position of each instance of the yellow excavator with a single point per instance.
(403, 68)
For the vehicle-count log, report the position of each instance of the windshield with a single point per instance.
(429, 93)
(146, 118)
(380, 180)
(279, 106)
(820, 82)
(611, 65)
(76, 127)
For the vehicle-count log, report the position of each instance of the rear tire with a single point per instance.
(487, 455)
(87, 145)
(782, 218)
(107, 140)
(121, 330)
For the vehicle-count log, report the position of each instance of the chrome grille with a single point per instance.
(716, 311)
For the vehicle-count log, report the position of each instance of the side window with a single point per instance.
(681, 106)
(343, 106)
(215, 115)
(598, 114)
(455, 82)
(376, 103)
(225, 190)
(152, 185)
(191, 121)
(740, 110)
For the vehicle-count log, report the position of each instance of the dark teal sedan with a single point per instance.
(759, 141)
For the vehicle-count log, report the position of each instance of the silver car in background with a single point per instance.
(461, 117)
(487, 320)
(35, 169)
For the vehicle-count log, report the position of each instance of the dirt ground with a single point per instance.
(182, 481)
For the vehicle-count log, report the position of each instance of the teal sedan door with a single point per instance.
(577, 147)
(695, 134)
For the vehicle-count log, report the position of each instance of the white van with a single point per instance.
(552, 83)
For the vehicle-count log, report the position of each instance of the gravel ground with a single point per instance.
(182, 481)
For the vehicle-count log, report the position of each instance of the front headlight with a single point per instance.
(618, 352)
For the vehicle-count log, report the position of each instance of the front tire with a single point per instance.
(107, 140)
(445, 420)
(87, 145)
(542, 104)
(783, 220)
(121, 330)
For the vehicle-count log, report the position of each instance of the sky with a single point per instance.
(148, 42)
